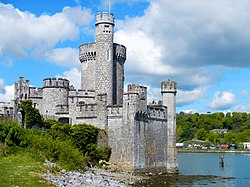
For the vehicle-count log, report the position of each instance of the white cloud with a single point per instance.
(8, 93)
(74, 76)
(28, 35)
(64, 56)
(189, 97)
(222, 100)
(180, 40)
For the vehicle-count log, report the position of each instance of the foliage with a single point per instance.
(71, 146)
(84, 137)
(199, 126)
(32, 117)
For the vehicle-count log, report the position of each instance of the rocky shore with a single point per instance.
(77, 179)
(92, 178)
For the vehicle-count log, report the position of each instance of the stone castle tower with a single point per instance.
(142, 136)
(103, 61)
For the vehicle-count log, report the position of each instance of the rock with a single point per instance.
(88, 179)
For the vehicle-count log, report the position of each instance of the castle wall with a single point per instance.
(151, 141)
(36, 95)
(121, 135)
(87, 56)
(82, 97)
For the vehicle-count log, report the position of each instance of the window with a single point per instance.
(108, 54)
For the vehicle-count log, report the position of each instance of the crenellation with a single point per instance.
(157, 112)
(62, 109)
(119, 52)
(168, 86)
(36, 92)
(82, 93)
(104, 17)
(115, 111)
(138, 89)
(56, 83)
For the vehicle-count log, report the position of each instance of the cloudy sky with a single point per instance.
(203, 45)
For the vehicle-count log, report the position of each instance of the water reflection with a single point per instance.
(183, 180)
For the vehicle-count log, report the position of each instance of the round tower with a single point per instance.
(55, 92)
(104, 55)
(169, 90)
(118, 73)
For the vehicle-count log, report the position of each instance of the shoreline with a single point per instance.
(213, 151)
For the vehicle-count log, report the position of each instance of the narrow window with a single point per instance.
(108, 54)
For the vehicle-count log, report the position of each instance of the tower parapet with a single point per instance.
(104, 17)
(87, 52)
(138, 89)
(168, 87)
(36, 92)
(55, 83)
(119, 52)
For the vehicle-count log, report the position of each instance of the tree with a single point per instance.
(32, 116)
(228, 138)
(201, 134)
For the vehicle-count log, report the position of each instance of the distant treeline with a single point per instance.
(200, 126)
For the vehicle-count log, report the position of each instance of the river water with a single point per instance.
(204, 169)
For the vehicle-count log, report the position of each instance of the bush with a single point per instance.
(71, 146)
(32, 117)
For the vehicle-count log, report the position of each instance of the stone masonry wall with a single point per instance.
(87, 56)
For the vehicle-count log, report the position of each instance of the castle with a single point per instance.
(142, 137)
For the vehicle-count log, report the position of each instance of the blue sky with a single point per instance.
(203, 45)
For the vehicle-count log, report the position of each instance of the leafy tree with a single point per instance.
(201, 134)
(229, 138)
(32, 116)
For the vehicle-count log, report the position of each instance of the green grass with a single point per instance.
(21, 170)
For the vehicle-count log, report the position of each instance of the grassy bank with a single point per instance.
(212, 151)
(21, 170)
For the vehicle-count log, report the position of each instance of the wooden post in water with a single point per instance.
(221, 161)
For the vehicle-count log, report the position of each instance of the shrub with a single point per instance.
(32, 117)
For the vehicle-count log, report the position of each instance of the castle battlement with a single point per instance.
(36, 92)
(86, 111)
(82, 93)
(168, 87)
(115, 110)
(104, 17)
(157, 112)
(119, 52)
(55, 83)
(87, 52)
(138, 89)
(62, 109)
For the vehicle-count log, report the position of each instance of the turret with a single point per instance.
(104, 56)
(168, 90)
(21, 90)
(55, 92)
(119, 60)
